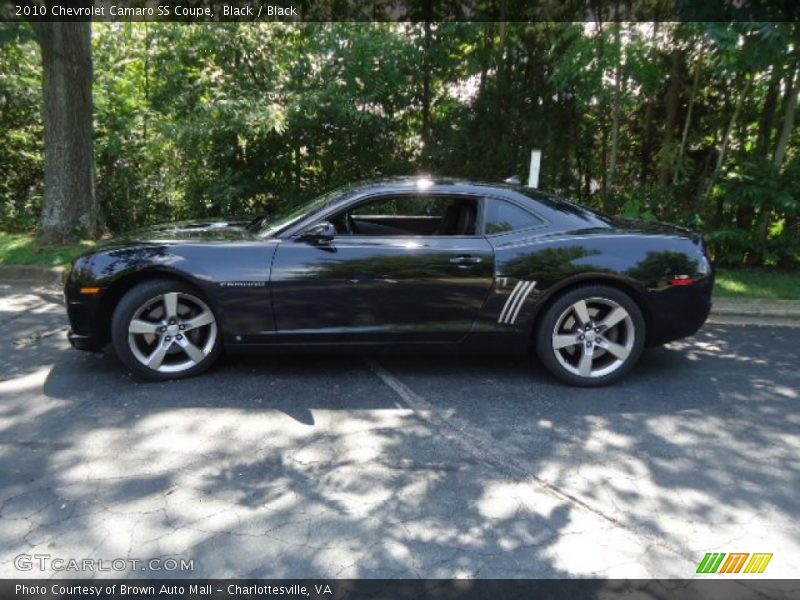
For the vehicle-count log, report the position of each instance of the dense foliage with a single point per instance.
(689, 122)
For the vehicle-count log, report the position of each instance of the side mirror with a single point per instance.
(321, 233)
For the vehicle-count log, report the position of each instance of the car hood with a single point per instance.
(187, 231)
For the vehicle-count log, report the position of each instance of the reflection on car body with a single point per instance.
(406, 263)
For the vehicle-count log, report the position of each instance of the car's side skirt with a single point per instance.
(506, 344)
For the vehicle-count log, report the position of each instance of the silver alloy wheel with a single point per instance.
(593, 337)
(172, 332)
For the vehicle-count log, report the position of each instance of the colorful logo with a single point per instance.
(713, 562)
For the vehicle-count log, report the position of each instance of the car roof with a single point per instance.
(556, 208)
(426, 183)
(557, 211)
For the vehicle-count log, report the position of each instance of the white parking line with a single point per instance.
(484, 448)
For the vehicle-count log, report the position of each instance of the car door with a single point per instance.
(385, 278)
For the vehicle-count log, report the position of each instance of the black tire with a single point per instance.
(606, 346)
(148, 294)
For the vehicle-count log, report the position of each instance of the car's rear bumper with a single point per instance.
(678, 312)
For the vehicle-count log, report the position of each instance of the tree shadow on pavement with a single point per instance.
(312, 466)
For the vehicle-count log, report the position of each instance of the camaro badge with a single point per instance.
(240, 284)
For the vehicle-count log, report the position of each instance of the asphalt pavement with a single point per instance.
(394, 466)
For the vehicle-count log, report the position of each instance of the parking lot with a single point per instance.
(416, 466)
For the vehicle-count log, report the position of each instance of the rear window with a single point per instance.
(567, 207)
(502, 217)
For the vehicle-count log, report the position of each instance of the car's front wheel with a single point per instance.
(591, 336)
(163, 329)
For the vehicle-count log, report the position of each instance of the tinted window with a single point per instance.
(565, 206)
(404, 206)
(502, 217)
(410, 215)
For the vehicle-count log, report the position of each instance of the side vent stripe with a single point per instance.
(509, 301)
(522, 297)
(515, 301)
(510, 316)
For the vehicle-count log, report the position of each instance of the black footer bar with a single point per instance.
(397, 589)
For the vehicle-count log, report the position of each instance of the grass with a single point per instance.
(770, 284)
(23, 249)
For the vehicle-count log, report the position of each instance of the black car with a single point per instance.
(409, 263)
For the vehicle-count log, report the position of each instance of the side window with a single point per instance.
(401, 206)
(502, 217)
(410, 215)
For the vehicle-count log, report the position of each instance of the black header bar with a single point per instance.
(200, 11)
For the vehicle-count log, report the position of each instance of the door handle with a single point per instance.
(466, 260)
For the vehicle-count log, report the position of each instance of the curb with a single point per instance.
(751, 307)
(32, 273)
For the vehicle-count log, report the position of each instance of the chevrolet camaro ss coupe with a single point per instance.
(409, 263)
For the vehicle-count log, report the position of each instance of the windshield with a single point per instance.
(285, 217)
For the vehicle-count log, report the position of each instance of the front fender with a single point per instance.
(233, 277)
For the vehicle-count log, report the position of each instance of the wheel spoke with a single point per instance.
(157, 357)
(582, 311)
(564, 341)
(204, 318)
(585, 364)
(614, 317)
(157, 334)
(193, 352)
(143, 327)
(171, 305)
(618, 350)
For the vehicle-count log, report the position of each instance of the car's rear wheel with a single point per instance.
(164, 329)
(591, 336)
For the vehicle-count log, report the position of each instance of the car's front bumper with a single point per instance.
(83, 312)
(83, 342)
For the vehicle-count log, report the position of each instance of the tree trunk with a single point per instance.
(745, 213)
(768, 114)
(790, 106)
(603, 111)
(671, 116)
(70, 209)
(646, 148)
(688, 122)
(788, 119)
(612, 161)
(426, 83)
(726, 136)
(791, 228)
(486, 49)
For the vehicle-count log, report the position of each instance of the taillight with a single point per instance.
(682, 280)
